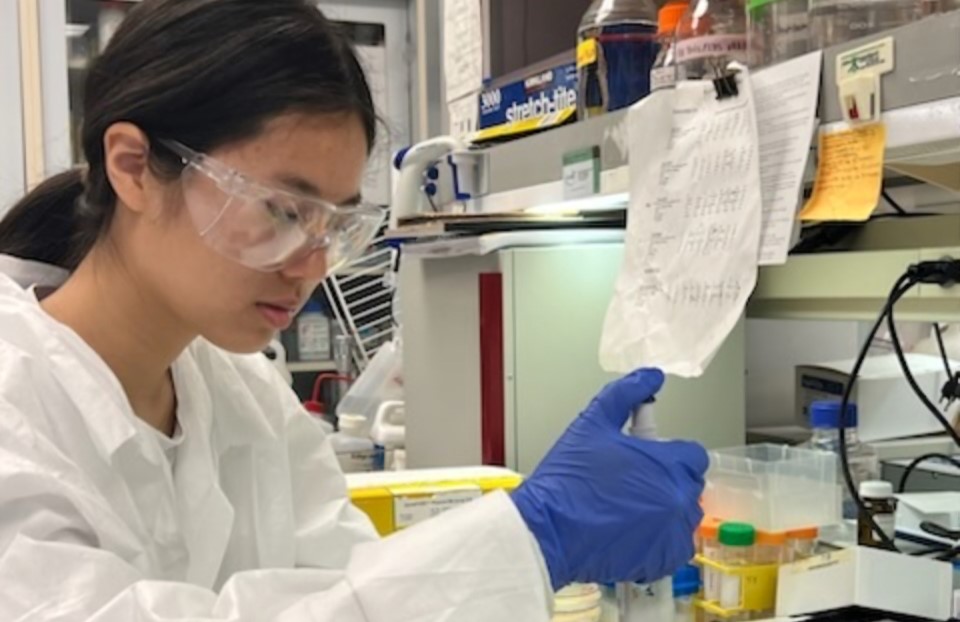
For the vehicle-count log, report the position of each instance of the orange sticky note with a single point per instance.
(849, 175)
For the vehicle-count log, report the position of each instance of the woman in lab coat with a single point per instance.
(149, 470)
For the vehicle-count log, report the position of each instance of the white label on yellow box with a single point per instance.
(423, 502)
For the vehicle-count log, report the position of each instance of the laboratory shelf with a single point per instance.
(851, 285)
(303, 367)
(921, 108)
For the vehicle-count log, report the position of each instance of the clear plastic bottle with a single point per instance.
(710, 35)
(686, 585)
(864, 463)
(771, 547)
(664, 74)
(616, 47)
(778, 30)
(837, 21)
(709, 544)
(802, 543)
(736, 549)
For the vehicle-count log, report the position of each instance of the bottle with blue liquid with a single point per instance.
(616, 47)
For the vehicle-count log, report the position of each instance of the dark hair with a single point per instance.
(203, 72)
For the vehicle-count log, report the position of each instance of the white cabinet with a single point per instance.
(500, 353)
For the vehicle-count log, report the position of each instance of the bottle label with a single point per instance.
(662, 78)
(732, 46)
(586, 52)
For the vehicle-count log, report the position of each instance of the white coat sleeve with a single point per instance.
(476, 563)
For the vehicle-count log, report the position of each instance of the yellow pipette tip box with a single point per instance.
(395, 500)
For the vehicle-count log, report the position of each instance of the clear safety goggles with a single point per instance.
(265, 228)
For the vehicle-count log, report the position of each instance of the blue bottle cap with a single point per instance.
(826, 414)
(686, 582)
(314, 306)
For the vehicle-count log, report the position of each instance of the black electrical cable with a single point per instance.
(889, 199)
(920, 460)
(943, 349)
(912, 381)
(900, 288)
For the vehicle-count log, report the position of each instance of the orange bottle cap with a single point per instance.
(669, 16)
(806, 533)
(709, 529)
(771, 538)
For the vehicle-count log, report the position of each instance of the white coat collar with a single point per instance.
(27, 273)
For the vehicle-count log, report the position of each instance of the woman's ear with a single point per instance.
(126, 152)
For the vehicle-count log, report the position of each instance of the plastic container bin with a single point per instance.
(833, 22)
(777, 30)
(773, 487)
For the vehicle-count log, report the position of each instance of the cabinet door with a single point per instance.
(73, 32)
(380, 29)
(12, 164)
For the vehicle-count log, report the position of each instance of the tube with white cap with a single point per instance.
(651, 602)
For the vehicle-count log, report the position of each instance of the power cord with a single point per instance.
(943, 273)
(951, 388)
(901, 287)
(907, 472)
(889, 199)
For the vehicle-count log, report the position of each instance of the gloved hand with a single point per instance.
(606, 507)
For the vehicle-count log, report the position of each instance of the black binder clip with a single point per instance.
(726, 86)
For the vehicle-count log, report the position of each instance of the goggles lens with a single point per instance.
(265, 228)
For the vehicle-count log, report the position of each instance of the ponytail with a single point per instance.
(45, 225)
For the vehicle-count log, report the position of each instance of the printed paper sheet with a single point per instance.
(693, 232)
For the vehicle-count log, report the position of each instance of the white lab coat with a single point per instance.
(247, 519)
(27, 273)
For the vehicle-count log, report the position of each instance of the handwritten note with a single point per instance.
(462, 47)
(849, 174)
(693, 230)
(786, 96)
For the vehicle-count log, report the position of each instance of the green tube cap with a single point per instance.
(737, 534)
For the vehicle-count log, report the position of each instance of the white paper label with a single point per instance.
(734, 46)
(579, 180)
(875, 58)
(410, 509)
(729, 591)
(662, 78)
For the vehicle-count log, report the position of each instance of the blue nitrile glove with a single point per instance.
(606, 507)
